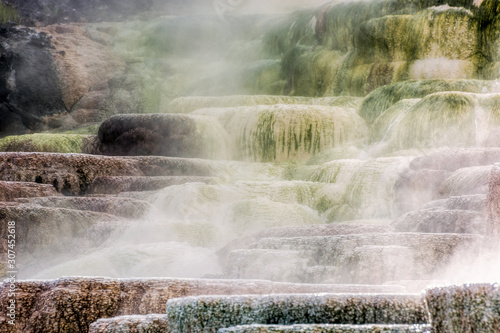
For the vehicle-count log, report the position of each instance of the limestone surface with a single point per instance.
(73, 304)
(209, 313)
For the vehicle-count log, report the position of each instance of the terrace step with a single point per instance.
(208, 314)
(327, 328)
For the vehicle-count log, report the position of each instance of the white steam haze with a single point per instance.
(187, 224)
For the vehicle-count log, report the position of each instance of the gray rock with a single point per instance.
(209, 313)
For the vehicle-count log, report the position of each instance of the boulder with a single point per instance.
(162, 135)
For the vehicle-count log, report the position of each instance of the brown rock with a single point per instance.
(35, 236)
(12, 190)
(73, 173)
(114, 185)
(119, 206)
(81, 62)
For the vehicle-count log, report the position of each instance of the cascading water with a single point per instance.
(344, 148)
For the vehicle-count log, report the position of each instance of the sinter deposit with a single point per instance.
(249, 166)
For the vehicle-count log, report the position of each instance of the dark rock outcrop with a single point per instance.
(151, 134)
(30, 92)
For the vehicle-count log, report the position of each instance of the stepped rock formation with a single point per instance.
(350, 147)
(72, 304)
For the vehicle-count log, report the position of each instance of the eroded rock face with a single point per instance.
(30, 90)
(72, 304)
(13, 190)
(73, 173)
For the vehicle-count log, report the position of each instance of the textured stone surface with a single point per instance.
(131, 324)
(493, 206)
(209, 313)
(441, 221)
(156, 134)
(72, 173)
(306, 231)
(125, 207)
(327, 328)
(361, 258)
(29, 84)
(467, 308)
(36, 239)
(72, 304)
(454, 159)
(12, 190)
(117, 184)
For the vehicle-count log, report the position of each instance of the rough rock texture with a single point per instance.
(124, 207)
(475, 202)
(30, 90)
(154, 134)
(456, 158)
(115, 185)
(327, 328)
(72, 304)
(493, 206)
(467, 308)
(35, 225)
(444, 173)
(85, 65)
(441, 221)
(209, 313)
(360, 258)
(132, 324)
(13, 190)
(59, 11)
(306, 231)
(73, 173)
